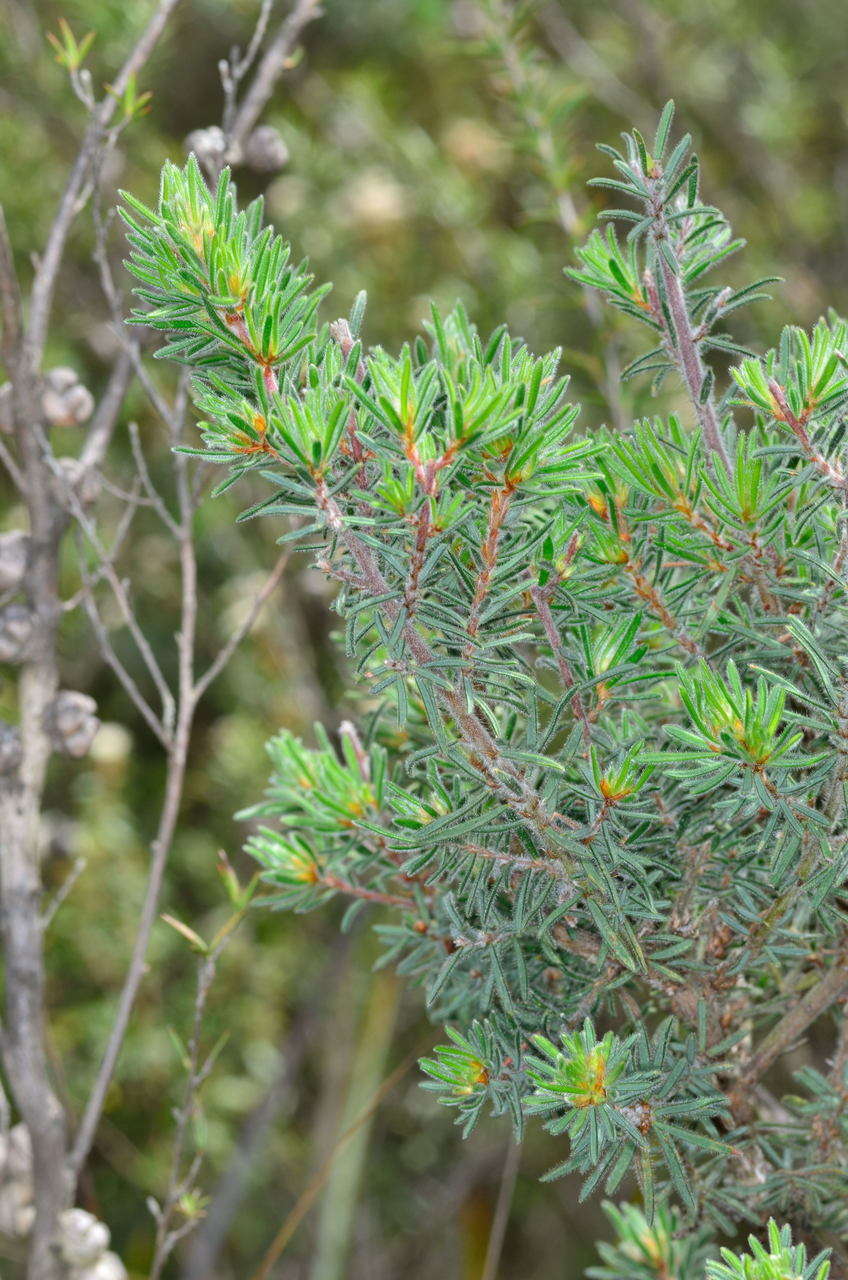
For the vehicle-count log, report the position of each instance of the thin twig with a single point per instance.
(109, 655)
(167, 1237)
(312, 1191)
(106, 414)
(63, 891)
(177, 758)
(119, 590)
(793, 1024)
(155, 498)
(497, 1234)
(236, 68)
(241, 1164)
(226, 652)
(131, 501)
(44, 282)
(271, 67)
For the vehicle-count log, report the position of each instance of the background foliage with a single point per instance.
(412, 172)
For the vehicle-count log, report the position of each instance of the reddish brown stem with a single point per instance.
(368, 895)
(690, 363)
(646, 591)
(833, 474)
(423, 528)
(498, 507)
(683, 344)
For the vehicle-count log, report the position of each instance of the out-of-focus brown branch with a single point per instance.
(232, 1187)
(583, 58)
(312, 1191)
(500, 1220)
(105, 416)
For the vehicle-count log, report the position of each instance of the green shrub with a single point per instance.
(599, 778)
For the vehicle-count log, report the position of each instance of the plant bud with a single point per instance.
(107, 1267)
(16, 1155)
(23, 1220)
(16, 627)
(13, 558)
(83, 1238)
(65, 402)
(10, 758)
(265, 150)
(72, 722)
(208, 145)
(83, 480)
(17, 1212)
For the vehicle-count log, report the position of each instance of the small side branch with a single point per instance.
(226, 652)
(271, 66)
(44, 283)
(691, 366)
(681, 339)
(793, 1024)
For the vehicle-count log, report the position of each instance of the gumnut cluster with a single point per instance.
(264, 150)
(83, 1239)
(72, 722)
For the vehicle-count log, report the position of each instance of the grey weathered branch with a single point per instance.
(39, 478)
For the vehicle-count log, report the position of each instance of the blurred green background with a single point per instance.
(414, 172)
